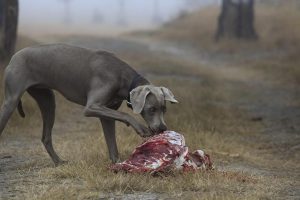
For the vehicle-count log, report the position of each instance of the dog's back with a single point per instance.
(68, 69)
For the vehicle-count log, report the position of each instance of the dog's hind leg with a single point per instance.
(7, 108)
(13, 93)
(46, 102)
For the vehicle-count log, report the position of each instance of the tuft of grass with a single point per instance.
(89, 172)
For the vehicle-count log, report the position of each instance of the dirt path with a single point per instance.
(276, 107)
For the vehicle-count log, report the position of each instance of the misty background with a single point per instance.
(234, 68)
(104, 17)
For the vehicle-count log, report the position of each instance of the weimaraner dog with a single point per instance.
(95, 79)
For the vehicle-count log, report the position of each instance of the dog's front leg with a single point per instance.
(109, 130)
(103, 112)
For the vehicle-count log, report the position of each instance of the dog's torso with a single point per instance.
(73, 71)
(95, 79)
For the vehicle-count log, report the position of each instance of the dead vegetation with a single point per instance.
(211, 115)
(278, 28)
(211, 123)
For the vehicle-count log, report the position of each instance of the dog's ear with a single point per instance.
(138, 98)
(169, 96)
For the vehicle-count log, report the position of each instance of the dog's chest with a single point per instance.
(114, 103)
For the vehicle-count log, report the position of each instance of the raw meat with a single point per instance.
(162, 152)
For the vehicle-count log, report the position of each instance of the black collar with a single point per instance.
(133, 84)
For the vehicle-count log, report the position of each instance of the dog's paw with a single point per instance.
(143, 131)
(61, 162)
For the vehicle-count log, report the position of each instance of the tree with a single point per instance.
(236, 20)
(156, 13)
(9, 10)
(67, 12)
(97, 17)
(122, 14)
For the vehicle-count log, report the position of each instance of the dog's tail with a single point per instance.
(20, 109)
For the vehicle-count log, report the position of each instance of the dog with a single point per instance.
(97, 80)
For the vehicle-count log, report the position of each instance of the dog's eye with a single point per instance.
(152, 109)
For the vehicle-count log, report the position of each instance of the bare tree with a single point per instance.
(67, 12)
(122, 14)
(236, 20)
(9, 10)
(192, 3)
(97, 17)
(156, 12)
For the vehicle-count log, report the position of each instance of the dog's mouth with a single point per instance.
(153, 131)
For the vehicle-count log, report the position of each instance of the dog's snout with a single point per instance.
(159, 129)
(162, 128)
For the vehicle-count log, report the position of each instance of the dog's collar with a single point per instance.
(133, 85)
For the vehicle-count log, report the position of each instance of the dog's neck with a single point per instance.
(137, 80)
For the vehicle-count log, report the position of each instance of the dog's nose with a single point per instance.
(162, 128)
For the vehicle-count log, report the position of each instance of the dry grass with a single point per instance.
(211, 123)
(206, 116)
(278, 29)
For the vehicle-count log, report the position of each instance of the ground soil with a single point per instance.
(269, 103)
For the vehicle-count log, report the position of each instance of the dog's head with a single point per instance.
(150, 102)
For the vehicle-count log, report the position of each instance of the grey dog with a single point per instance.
(95, 79)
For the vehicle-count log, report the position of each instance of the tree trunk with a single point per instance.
(9, 10)
(236, 20)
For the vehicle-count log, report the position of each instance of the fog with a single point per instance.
(99, 17)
